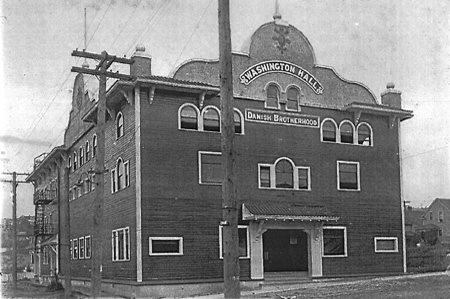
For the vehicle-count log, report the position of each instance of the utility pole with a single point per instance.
(97, 231)
(229, 204)
(14, 210)
(14, 203)
(65, 234)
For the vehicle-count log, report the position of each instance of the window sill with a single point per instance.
(349, 190)
(328, 256)
(283, 189)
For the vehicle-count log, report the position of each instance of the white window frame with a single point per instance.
(298, 98)
(87, 149)
(113, 180)
(81, 255)
(198, 117)
(202, 128)
(337, 133)
(248, 242)
(75, 160)
(395, 239)
(115, 243)
(200, 153)
(75, 254)
(94, 145)
(280, 91)
(353, 130)
(371, 134)
(273, 175)
(81, 154)
(180, 246)
(345, 241)
(440, 216)
(358, 175)
(120, 114)
(242, 121)
(46, 256)
(126, 173)
(86, 238)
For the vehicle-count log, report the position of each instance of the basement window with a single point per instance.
(386, 244)
(165, 246)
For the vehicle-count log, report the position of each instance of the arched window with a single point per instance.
(293, 96)
(364, 135)
(211, 120)
(273, 95)
(75, 161)
(87, 149)
(329, 131)
(284, 175)
(346, 130)
(119, 125)
(237, 122)
(188, 118)
(94, 146)
(81, 156)
(120, 176)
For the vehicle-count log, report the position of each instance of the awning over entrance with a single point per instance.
(286, 212)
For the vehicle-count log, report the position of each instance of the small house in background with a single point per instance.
(438, 215)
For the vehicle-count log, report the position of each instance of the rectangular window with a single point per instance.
(264, 176)
(75, 249)
(87, 247)
(303, 178)
(348, 176)
(80, 191)
(45, 261)
(166, 246)
(441, 216)
(244, 249)
(386, 244)
(334, 241)
(93, 182)
(113, 181)
(210, 168)
(81, 249)
(431, 215)
(74, 193)
(127, 173)
(121, 244)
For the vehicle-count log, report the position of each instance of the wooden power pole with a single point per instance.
(97, 230)
(65, 233)
(229, 204)
(14, 182)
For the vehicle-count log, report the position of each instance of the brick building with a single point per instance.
(317, 166)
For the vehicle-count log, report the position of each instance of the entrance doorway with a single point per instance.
(285, 250)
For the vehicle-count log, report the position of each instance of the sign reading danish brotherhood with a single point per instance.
(277, 66)
(281, 118)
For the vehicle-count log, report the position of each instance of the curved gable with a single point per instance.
(279, 52)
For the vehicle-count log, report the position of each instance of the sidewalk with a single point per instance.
(268, 290)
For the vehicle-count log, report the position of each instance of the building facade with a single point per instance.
(317, 169)
(438, 214)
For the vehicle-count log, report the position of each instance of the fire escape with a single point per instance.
(43, 227)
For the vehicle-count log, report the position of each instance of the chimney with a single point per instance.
(391, 97)
(142, 65)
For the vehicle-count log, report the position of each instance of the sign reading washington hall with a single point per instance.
(281, 118)
(276, 66)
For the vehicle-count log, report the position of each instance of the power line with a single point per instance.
(192, 34)
(43, 111)
(425, 152)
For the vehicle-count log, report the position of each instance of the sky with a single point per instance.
(370, 41)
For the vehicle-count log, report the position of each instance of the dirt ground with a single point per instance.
(428, 286)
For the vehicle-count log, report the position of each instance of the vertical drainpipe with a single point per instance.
(402, 200)
(137, 116)
(58, 193)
